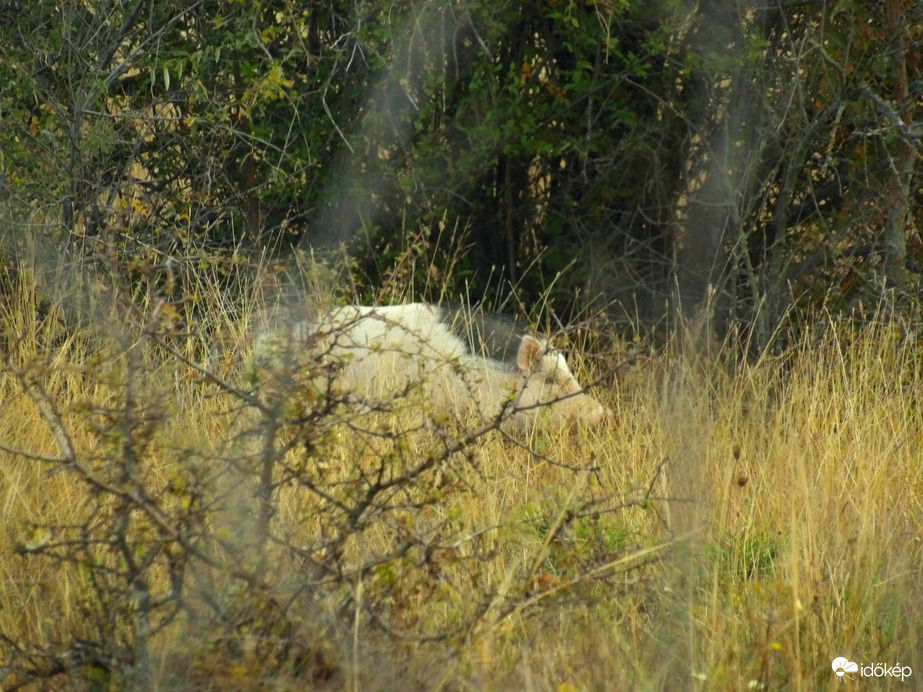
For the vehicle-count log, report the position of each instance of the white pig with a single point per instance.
(463, 361)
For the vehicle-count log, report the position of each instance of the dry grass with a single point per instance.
(728, 531)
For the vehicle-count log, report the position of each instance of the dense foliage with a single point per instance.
(760, 157)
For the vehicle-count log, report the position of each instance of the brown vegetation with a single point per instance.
(167, 528)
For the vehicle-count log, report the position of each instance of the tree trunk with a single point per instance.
(895, 242)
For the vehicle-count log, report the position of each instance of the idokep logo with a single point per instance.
(844, 668)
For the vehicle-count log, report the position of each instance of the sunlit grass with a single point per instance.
(764, 523)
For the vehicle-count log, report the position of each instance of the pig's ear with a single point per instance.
(530, 350)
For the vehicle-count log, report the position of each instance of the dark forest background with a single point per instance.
(640, 160)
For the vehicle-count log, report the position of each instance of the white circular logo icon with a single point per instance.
(841, 666)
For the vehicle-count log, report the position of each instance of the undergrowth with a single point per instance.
(168, 526)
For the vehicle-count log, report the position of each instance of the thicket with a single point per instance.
(643, 158)
(174, 522)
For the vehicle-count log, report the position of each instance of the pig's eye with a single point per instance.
(551, 378)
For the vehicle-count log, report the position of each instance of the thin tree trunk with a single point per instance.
(895, 241)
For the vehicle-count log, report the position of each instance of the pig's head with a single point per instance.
(548, 380)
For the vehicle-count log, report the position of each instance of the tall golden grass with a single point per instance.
(734, 528)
